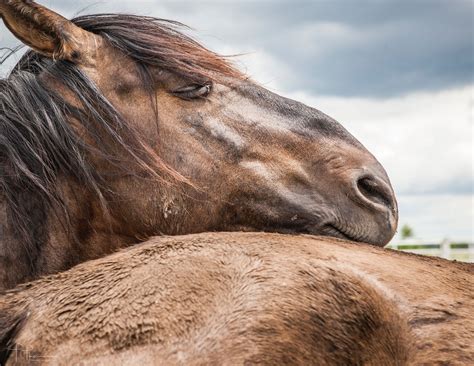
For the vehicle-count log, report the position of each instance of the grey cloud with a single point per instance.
(462, 186)
(342, 47)
(356, 48)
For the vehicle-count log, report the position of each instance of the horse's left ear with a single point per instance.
(46, 31)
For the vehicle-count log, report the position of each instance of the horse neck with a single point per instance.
(59, 238)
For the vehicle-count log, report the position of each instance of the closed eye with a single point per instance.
(194, 91)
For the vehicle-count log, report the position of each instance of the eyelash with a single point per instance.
(194, 91)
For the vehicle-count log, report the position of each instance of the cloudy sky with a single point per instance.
(397, 74)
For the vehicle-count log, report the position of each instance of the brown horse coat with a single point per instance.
(116, 128)
(245, 299)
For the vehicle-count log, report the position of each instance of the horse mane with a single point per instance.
(37, 141)
(153, 42)
(12, 319)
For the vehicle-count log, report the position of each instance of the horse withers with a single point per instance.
(115, 128)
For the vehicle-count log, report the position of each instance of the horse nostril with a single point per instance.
(376, 191)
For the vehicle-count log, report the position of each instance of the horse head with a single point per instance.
(115, 128)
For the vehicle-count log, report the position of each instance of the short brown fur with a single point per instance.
(116, 128)
(230, 298)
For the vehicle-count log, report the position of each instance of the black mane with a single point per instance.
(38, 143)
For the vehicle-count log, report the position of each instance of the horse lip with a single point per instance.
(303, 226)
(336, 232)
(326, 229)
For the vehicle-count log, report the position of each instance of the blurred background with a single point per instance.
(399, 75)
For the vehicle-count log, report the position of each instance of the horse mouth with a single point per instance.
(336, 232)
(303, 227)
(329, 230)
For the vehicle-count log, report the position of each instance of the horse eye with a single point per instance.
(194, 91)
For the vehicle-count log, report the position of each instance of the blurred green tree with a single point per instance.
(406, 232)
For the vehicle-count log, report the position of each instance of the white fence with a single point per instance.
(442, 248)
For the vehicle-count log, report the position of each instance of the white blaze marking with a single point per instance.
(221, 131)
(247, 112)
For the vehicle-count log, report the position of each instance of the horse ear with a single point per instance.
(46, 31)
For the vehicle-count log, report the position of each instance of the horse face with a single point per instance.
(257, 161)
(245, 158)
(273, 164)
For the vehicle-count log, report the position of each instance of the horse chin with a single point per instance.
(328, 229)
(333, 231)
(352, 234)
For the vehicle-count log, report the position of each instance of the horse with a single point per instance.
(245, 298)
(116, 128)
